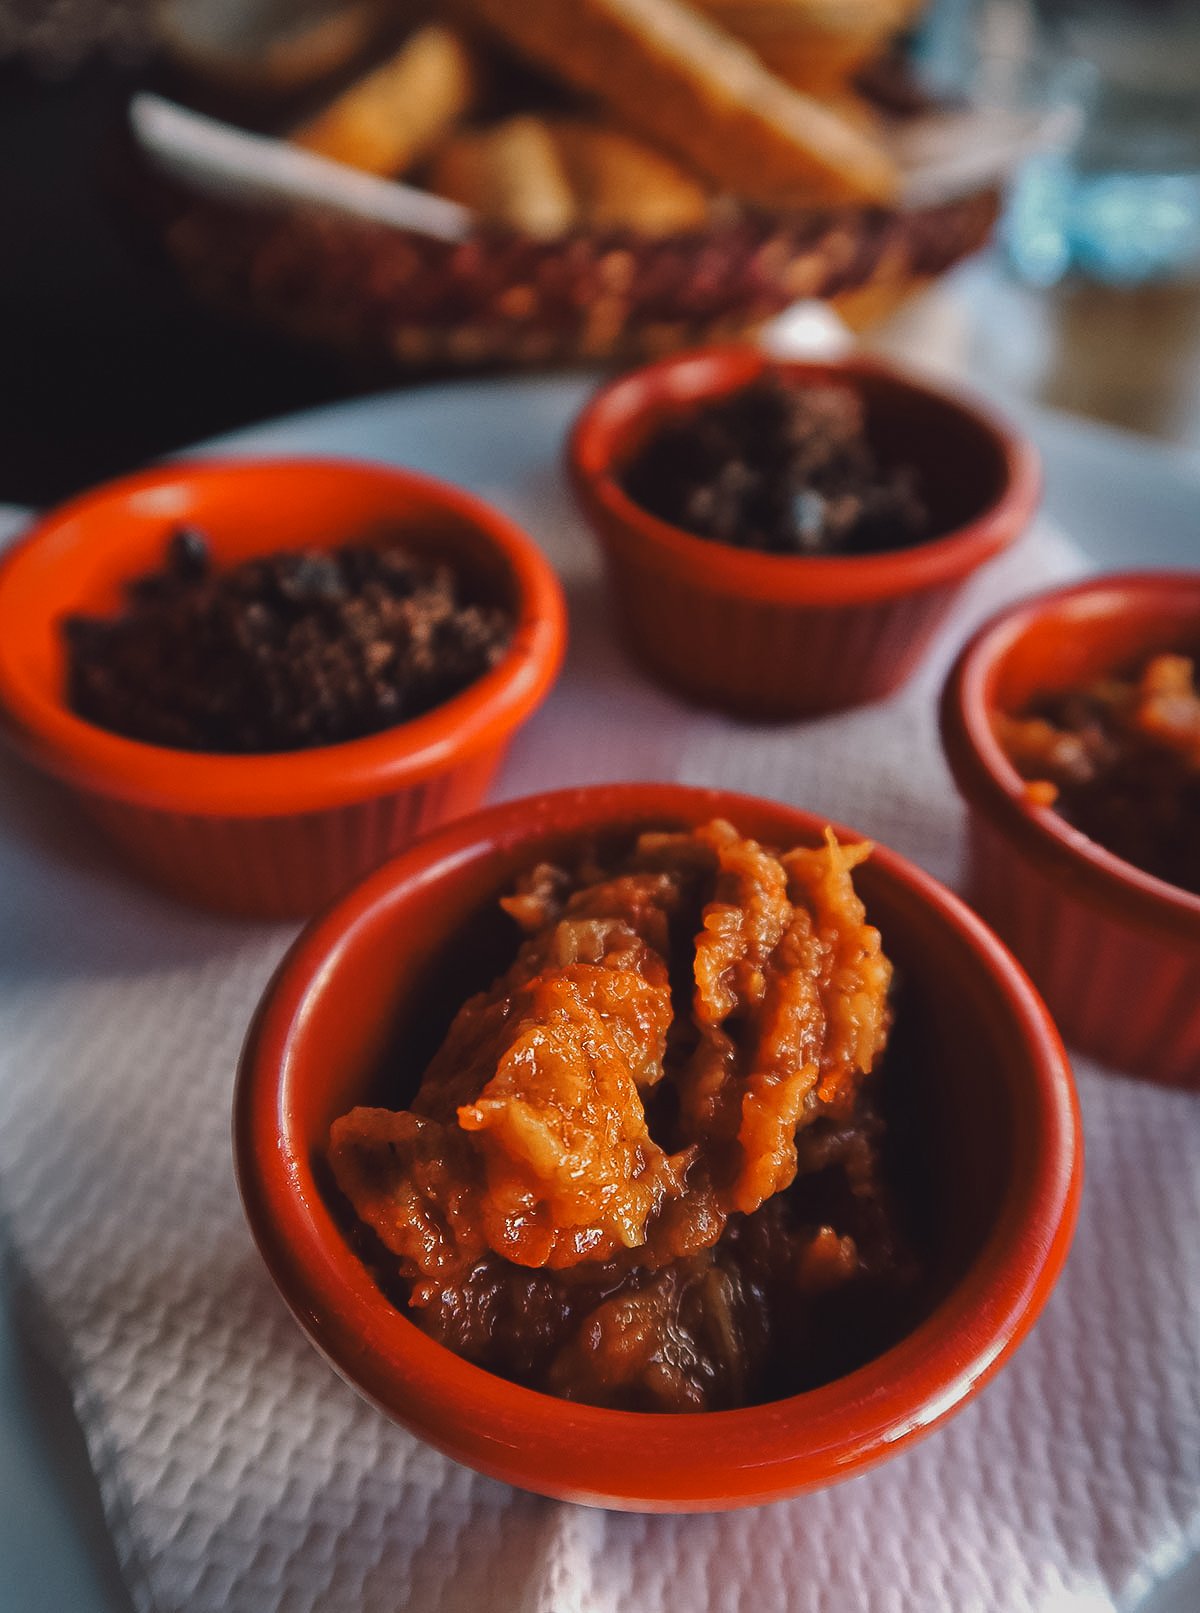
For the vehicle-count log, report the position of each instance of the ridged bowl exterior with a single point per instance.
(284, 867)
(1117, 990)
(757, 659)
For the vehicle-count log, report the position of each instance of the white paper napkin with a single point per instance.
(240, 1474)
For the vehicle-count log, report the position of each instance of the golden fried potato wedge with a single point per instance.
(815, 45)
(671, 74)
(511, 173)
(621, 182)
(395, 115)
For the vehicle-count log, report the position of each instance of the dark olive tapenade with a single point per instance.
(281, 652)
(1120, 760)
(781, 468)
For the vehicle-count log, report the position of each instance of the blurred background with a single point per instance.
(140, 314)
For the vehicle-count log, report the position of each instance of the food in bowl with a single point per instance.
(645, 1170)
(269, 834)
(283, 651)
(791, 634)
(1114, 947)
(982, 1144)
(782, 468)
(1119, 758)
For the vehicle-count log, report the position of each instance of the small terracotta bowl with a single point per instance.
(1114, 951)
(363, 999)
(273, 835)
(778, 636)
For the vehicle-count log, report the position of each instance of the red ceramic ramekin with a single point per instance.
(375, 980)
(274, 835)
(1114, 951)
(777, 636)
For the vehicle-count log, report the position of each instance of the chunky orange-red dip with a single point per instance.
(644, 1168)
(1120, 759)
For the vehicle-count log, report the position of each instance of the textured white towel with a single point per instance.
(240, 1474)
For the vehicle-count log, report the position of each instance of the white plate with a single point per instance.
(1125, 501)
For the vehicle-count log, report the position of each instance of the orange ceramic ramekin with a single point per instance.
(1114, 951)
(362, 1001)
(774, 636)
(273, 835)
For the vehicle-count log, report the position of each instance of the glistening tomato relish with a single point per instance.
(645, 1168)
(1119, 759)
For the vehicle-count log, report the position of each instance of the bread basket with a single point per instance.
(392, 280)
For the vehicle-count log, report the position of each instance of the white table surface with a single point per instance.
(1126, 501)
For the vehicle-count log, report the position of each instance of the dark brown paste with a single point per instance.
(785, 469)
(644, 1170)
(282, 652)
(1120, 760)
